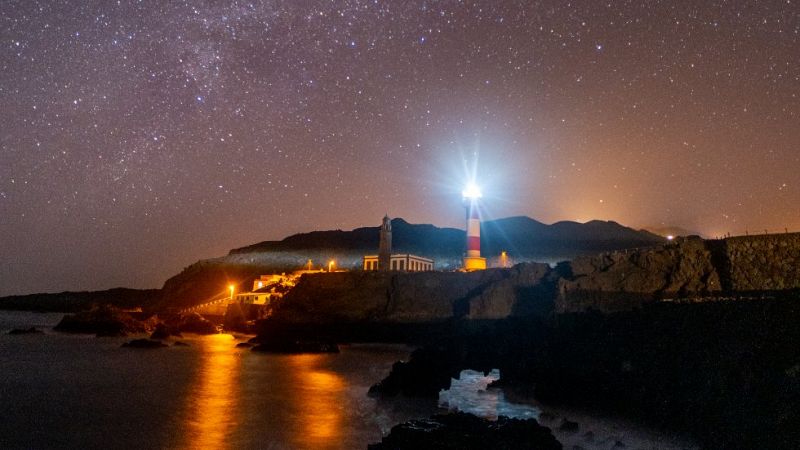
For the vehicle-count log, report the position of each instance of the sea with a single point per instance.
(78, 391)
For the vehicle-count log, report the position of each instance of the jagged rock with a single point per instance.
(164, 331)
(568, 425)
(31, 330)
(396, 297)
(195, 323)
(144, 343)
(465, 432)
(546, 416)
(103, 321)
(622, 280)
(428, 371)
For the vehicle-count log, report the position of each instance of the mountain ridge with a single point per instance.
(529, 236)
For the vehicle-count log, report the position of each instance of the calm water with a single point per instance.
(78, 391)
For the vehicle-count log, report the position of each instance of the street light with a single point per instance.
(231, 289)
(331, 264)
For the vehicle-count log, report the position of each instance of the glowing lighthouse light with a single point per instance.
(472, 258)
(472, 191)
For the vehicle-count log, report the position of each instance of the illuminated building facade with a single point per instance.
(403, 263)
(386, 261)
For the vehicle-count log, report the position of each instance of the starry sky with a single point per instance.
(140, 136)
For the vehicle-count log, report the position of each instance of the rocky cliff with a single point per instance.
(523, 238)
(686, 269)
(620, 280)
(395, 297)
(768, 262)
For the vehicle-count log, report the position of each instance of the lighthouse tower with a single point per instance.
(385, 245)
(472, 258)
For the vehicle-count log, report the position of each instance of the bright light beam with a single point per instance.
(472, 191)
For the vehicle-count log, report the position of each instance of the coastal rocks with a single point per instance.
(428, 371)
(397, 297)
(625, 280)
(528, 289)
(568, 425)
(104, 321)
(31, 330)
(768, 262)
(241, 316)
(163, 331)
(195, 323)
(466, 431)
(144, 344)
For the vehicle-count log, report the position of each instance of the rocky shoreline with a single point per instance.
(460, 431)
(728, 373)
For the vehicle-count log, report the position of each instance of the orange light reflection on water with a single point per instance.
(319, 399)
(212, 412)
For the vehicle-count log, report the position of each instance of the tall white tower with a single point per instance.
(472, 258)
(385, 245)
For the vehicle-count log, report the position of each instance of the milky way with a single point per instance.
(138, 137)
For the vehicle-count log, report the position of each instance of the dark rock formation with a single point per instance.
(393, 297)
(180, 344)
(461, 431)
(164, 331)
(104, 321)
(241, 317)
(194, 323)
(244, 345)
(428, 371)
(727, 371)
(144, 343)
(31, 330)
(626, 279)
(688, 268)
(767, 262)
(81, 301)
(569, 426)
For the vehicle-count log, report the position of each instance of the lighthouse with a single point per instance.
(472, 258)
(385, 245)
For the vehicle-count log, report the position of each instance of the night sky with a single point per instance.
(139, 137)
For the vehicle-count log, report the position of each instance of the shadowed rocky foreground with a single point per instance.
(695, 336)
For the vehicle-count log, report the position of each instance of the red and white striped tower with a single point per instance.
(472, 258)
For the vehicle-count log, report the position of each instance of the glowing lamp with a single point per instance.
(472, 191)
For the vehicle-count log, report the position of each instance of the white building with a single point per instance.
(253, 298)
(386, 261)
(403, 263)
